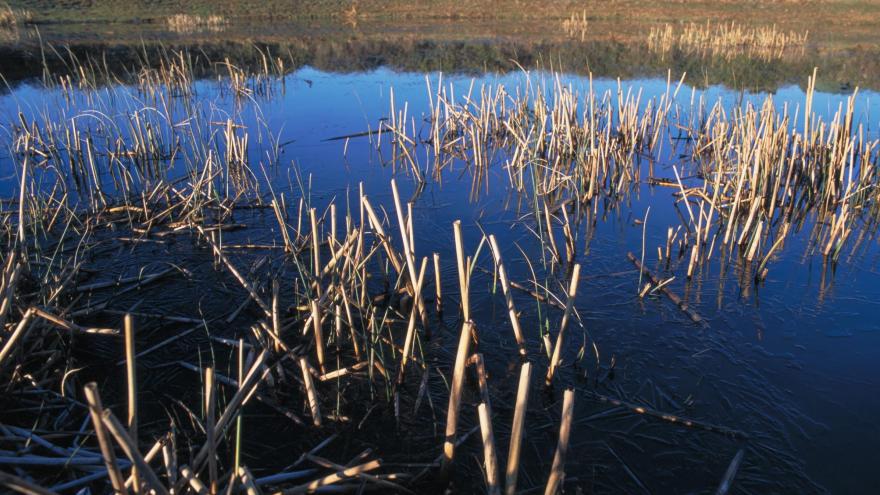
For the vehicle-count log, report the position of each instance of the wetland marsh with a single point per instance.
(357, 254)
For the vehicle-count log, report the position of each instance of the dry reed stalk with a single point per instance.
(455, 394)
(508, 296)
(316, 318)
(282, 226)
(276, 317)
(20, 331)
(187, 475)
(350, 323)
(131, 378)
(411, 325)
(557, 349)
(347, 473)
(210, 413)
(380, 233)
(96, 412)
(127, 445)
(311, 392)
(394, 487)
(169, 459)
(20, 485)
(438, 286)
(557, 471)
(490, 458)
(408, 251)
(252, 379)
(248, 481)
(516, 433)
(316, 248)
(462, 270)
(235, 273)
(661, 286)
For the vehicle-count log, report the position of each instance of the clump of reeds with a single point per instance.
(187, 23)
(324, 326)
(10, 16)
(727, 40)
(753, 176)
(576, 25)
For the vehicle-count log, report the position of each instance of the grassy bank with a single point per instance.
(842, 12)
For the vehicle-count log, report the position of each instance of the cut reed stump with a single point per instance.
(519, 417)
(311, 392)
(560, 338)
(464, 341)
(131, 376)
(489, 455)
(557, 471)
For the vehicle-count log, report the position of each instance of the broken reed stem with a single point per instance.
(276, 317)
(240, 377)
(557, 471)
(319, 333)
(730, 474)
(316, 247)
(311, 392)
(508, 296)
(96, 411)
(408, 251)
(489, 455)
(130, 449)
(210, 411)
(462, 270)
(187, 475)
(411, 325)
(438, 287)
(330, 479)
(557, 349)
(235, 273)
(254, 376)
(464, 341)
(247, 480)
(17, 334)
(131, 377)
(519, 417)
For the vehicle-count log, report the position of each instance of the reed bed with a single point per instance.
(10, 16)
(339, 307)
(189, 23)
(334, 311)
(754, 175)
(727, 40)
(576, 25)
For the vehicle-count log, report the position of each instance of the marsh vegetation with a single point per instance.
(218, 277)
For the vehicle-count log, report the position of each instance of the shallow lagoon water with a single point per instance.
(791, 362)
